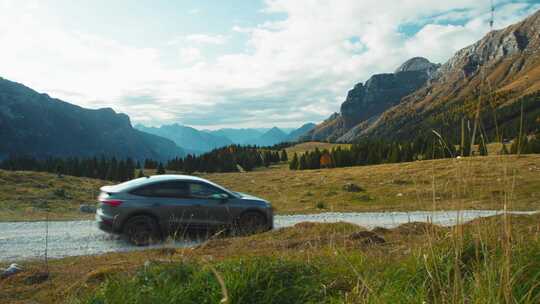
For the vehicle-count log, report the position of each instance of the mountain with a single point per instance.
(270, 138)
(35, 124)
(237, 136)
(497, 74)
(295, 134)
(379, 93)
(190, 139)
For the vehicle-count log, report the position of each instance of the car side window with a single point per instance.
(202, 190)
(174, 189)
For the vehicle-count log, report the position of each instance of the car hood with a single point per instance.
(250, 197)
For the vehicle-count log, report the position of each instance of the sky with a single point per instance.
(214, 64)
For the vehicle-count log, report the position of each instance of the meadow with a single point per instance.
(487, 182)
(491, 260)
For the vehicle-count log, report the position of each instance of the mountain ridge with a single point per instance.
(34, 124)
(377, 94)
(501, 68)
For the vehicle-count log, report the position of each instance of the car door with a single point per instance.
(171, 201)
(214, 208)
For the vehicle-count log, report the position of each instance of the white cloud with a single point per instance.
(189, 55)
(206, 39)
(294, 70)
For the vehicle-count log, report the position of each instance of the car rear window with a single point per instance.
(176, 189)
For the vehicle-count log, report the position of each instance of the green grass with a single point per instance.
(493, 260)
(257, 280)
(476, 266)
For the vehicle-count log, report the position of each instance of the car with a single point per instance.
(148, 209)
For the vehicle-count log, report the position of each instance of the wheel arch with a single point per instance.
(252, 210)
(141, 213)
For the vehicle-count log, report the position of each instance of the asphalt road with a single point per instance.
(26, 240)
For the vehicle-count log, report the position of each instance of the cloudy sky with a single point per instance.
(235, 63)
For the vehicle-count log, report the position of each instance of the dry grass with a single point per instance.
(26, 195)
(448, 184)
(467, 183)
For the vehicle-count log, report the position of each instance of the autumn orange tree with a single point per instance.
(326, 160)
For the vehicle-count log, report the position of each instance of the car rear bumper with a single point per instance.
(106, 223)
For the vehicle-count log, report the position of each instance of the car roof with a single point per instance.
(134, 183)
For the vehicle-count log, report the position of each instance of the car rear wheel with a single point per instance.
(251, 222)
(142, 230)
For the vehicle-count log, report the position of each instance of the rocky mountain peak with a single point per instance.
(417, 64)
(518, 39)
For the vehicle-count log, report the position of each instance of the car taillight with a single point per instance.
(112, 203)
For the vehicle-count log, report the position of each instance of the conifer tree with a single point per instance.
(160, 169)
(293, 165)
(284, 157)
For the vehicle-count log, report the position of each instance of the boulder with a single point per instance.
(350, 187)
(87, 208)
(11, 270)
(367, 237)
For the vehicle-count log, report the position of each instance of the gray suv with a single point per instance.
(147, 209)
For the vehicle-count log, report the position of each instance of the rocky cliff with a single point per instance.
(377, 94)
(495, 72)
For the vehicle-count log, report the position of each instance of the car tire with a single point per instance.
(142, 230)
(251, 222)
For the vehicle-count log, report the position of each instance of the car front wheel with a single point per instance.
(251, 222)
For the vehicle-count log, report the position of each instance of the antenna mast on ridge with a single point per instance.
(492, 16)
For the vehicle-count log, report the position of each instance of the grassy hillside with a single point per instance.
(468, 183)
(26, 195)
(494, 260)
(471, 183)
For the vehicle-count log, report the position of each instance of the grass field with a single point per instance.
(25, 196)
(467, 183)
(494, 260)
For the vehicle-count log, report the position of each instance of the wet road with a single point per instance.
(26, 240)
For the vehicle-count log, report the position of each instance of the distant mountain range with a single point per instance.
(37, 125)
(495, 75)
(199, 141)
(191, 140)
(295, 135)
